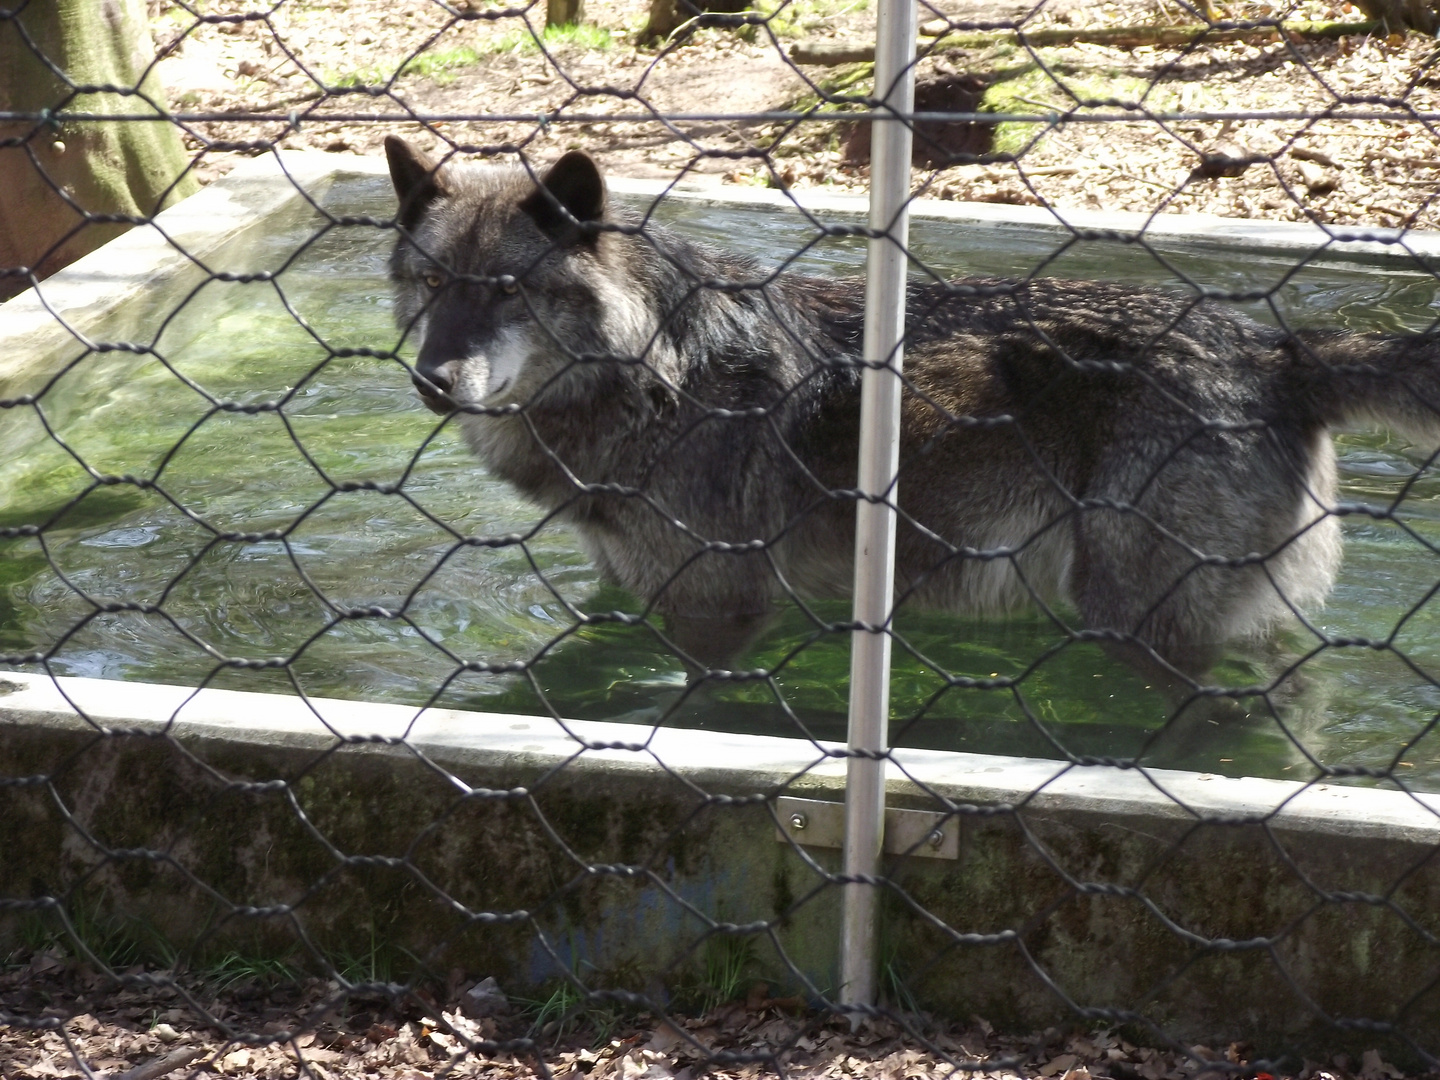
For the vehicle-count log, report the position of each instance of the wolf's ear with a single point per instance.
(570, 196)
(417, 179)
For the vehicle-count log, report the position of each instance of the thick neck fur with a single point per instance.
(684, 337)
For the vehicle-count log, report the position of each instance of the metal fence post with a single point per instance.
(875, 520)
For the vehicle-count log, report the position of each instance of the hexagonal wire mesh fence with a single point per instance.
(529, 685)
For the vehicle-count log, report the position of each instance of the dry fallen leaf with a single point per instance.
(667, 1040)
(1317, 180)
(1058, 1065)
(1374, 1067)
(236, 1061)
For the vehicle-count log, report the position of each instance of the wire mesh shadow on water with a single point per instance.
(427, 604)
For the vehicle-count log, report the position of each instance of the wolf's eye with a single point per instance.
(433, 280)
(508, 285)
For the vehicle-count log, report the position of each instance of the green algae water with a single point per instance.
(255, 535)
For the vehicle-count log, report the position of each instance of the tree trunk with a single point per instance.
(564, 12)
(937, 144)
(1400, 15)
(667, 16)
(57, 176)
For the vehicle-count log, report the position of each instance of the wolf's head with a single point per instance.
(509, 283)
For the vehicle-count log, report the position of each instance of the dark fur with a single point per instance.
(1160, 462)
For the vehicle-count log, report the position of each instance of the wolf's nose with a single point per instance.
(430, 378)
(435, 383)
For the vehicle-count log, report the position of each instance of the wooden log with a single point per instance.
(833, 53)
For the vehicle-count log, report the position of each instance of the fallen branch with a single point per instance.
(163, 1066)
(833, 53)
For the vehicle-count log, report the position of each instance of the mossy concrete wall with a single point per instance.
(1215, 908)
(248, 824)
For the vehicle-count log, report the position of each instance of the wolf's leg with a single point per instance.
(714, 643)
(1169, 614)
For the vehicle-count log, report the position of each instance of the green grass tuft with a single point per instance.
(800, 18)
(115, 940)
(895, 989)
(575, 35)
(729, 963)
(556, 1014)
(234, 967)
(376, 964)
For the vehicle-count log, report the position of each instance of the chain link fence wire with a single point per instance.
(632, 501)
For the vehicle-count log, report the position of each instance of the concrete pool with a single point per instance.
(270, 531)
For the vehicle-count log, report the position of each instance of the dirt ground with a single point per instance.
(489, 63)
(182, 1025)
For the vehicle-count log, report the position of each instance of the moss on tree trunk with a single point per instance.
(57, 177)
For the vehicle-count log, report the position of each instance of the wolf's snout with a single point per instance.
(435, 382)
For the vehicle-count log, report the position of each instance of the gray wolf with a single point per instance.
(1154, 469)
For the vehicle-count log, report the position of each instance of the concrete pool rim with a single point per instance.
(188, 234)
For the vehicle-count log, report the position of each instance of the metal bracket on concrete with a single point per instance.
(816, 823)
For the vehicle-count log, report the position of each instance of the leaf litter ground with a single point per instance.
(1345, 172)
(286, 1028)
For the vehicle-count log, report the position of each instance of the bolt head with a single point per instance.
(798, 821)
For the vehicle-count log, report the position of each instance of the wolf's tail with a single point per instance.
(1348, 378)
